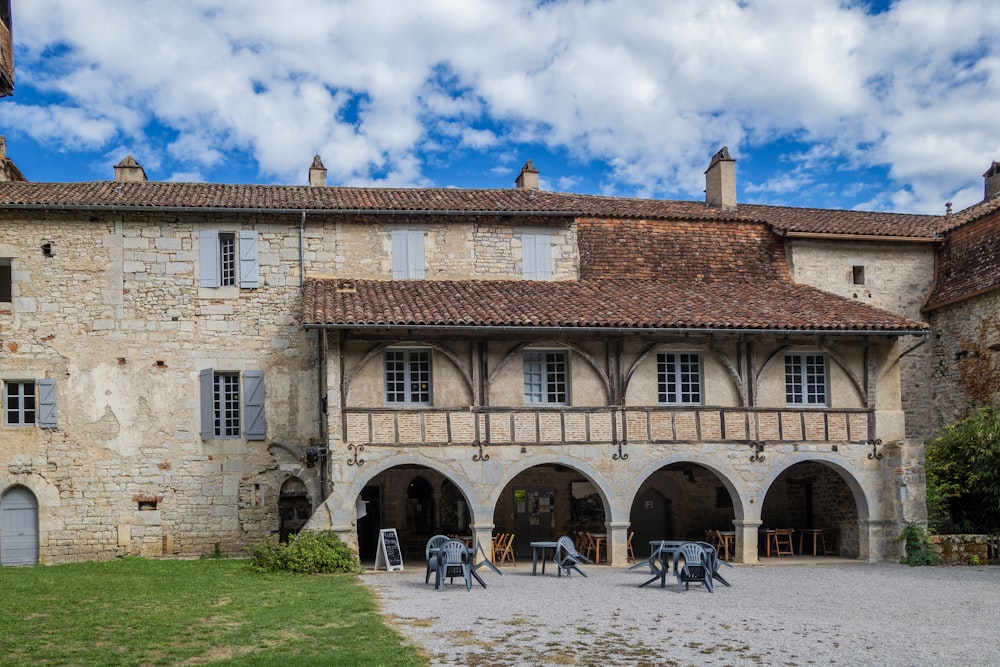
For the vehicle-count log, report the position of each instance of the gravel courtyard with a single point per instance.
(806, 612)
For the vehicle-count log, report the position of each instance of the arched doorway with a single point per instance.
(545, 502)
(18, 527)
(650, 518)
(813, 496)
(294, 508)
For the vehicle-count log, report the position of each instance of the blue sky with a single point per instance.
(835, 104)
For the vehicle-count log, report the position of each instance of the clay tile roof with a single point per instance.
(621, 303)
(859, 223)
(969, 262)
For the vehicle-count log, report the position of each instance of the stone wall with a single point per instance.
(966, 549)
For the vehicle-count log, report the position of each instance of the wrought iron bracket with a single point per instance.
(356, 460)
(758, 452)
(875, 453)
(481, 456)
(620, 455)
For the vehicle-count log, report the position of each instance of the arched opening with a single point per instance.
(813, 499)
(18, 527)
(418, 502)
(294, 508)
(680, 501)
(545, 502)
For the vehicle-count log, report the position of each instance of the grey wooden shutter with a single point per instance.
(543, 257)
(249, 265)
(207, 402)
(47, 403)
(253, 405)
(529, 269)
(415, 249)
(399, 255)
(208, 257)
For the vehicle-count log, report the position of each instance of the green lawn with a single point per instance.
(205, 612)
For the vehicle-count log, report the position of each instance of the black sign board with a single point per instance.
(389, 554)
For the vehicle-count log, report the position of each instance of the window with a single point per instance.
(678, 377)
(6, 280)
(29, 403)
(546, 377)
(228, 412)
(805, 379)
(858, 274)
(408, 254)
(228, 259)
(536, 256)
(408, 377)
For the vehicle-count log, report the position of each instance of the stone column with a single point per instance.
(483, 534)
(617, 542)
(347, 534)
(746, 546)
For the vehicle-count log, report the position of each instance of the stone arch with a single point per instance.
(860, 537)
(612, 510)
(740, 495)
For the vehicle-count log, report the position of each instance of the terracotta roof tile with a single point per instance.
(634, 304)
(969, 262)
(451, 200)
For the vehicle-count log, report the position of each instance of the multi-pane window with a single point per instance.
(29, 403)
(226, 405)
(678, 377)
(805, 379)
(232, 404)
(408, 377)
(227, 259)
(546, 377)
(19, 403)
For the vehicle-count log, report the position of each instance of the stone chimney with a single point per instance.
(130, 171)
(992, 178)
(317, 173)
(528, 178)
(720, 181)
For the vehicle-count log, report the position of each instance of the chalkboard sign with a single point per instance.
(389, 555)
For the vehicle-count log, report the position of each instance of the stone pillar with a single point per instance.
(348, 535)
(869, 537)
(746, 540)
(483, 534)
(617, 542)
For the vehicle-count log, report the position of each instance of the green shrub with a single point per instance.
(918, 549)
(309, 552)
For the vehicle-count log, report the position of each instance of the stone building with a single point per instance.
(192, 367)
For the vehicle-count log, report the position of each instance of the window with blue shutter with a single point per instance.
(536, 256)
(408, 254)
(219, 263)
(47, 404)
(229, 412)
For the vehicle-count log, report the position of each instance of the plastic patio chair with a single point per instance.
(696, 568)
(453, 561)
(567, 558)
(715, 562)
(432, 543)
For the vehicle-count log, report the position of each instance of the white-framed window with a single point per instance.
(408, 254)
(546, 377)
(228, 259)
(536, 256)
(29, 403)
(805, 379)
(6, 280)
(678, 378)
(408, 377)
(232, 404)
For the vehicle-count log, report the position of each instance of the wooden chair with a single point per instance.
(783, 541)
(631, 554)
(829, 541)
(586, 543)
(506, 549)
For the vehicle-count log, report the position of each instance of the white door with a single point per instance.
(18, 527)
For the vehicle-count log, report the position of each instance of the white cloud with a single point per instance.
(650, 88)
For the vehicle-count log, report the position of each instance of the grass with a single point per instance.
(206, 612)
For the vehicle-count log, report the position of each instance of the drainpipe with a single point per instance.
(302, 259)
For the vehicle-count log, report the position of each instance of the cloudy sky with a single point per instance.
(842, 104)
